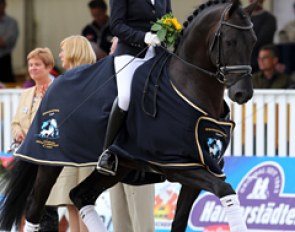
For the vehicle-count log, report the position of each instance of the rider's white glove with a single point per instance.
(152, 39)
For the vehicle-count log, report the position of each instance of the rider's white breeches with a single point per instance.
(125, 75)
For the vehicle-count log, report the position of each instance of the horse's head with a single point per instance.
(216, 45)
(231, 49)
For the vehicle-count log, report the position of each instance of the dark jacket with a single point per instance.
(265, 26)
(278, 81)
(131, 19)
(101, 36)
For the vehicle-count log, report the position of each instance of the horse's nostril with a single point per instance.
(241, 97)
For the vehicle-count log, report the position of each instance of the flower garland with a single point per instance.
(167, 29)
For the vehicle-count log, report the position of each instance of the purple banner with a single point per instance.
(261, 189)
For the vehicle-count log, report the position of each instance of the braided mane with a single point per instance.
(195, 13)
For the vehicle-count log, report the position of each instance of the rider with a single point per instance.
(130, 21)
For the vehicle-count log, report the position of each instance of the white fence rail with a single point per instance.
(265, 126)
(8, 103)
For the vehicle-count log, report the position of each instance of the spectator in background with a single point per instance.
(75, 50)
(8, 37)
(265, 25)
(40, 63)
(98, 31)
(269, 77)
(287, 34)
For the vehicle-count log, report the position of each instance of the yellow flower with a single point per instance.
(167, 28)
(176, 24)
(167, 21)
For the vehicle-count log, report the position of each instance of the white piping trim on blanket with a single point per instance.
(231, 124)
(187, 100)
(43, 162)
(177, 164)
(215, 174)
(187, 165)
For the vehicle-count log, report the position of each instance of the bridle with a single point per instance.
(223, 71)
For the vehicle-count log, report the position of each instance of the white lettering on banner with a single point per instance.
(269, 214)
(263, 203)
(260, 189)
(212, 213)
(263, 214)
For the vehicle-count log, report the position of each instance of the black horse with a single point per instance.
(178, 130)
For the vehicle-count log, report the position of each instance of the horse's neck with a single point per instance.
(205, 91)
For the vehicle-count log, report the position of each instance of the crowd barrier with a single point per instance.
(265, 126)
(258, 155)
(8, 103)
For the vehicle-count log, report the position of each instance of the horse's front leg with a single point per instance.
(202, 179)
(185, 201)
(85, 194)
(46, 177)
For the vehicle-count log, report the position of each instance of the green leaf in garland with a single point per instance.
(162, 34)
(167, 29)
(156, 27)
(170, 39)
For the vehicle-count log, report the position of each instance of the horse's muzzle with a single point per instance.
(242, 97)
(241, 91)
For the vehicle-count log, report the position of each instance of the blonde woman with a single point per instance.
(75, 51)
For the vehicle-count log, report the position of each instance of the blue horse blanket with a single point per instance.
(167, 129)
(163, 127)
(70, 124)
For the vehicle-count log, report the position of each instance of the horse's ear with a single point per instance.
(250, 8)
(235, 5)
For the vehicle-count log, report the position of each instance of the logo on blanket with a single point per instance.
(48, 130)
(215, 147)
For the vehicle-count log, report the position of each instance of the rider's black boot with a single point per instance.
(108, 160)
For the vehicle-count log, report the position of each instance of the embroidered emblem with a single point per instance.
(49, 129)
(215, 147)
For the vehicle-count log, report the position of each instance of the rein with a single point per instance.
(100, 87)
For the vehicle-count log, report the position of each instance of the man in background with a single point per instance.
(98, 31)
(8, 37)
(269, 77)
(265, 25)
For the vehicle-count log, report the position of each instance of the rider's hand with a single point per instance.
(152, 39)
